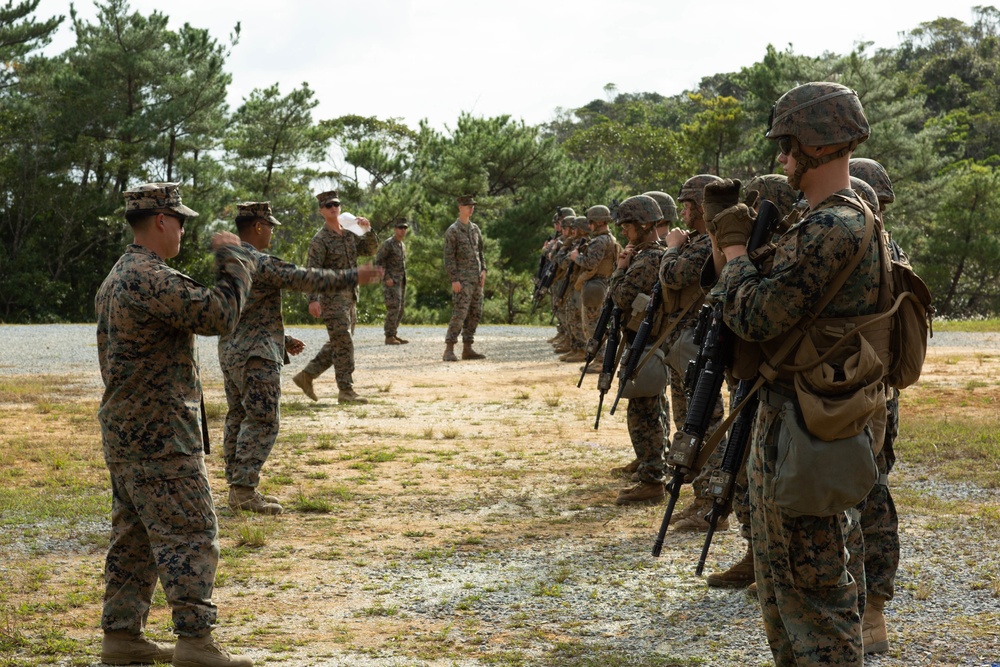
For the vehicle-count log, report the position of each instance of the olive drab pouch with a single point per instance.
(814, 477)
(651, 377)
(638, 314)
(912, 322)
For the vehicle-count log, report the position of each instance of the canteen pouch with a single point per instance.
(651, 379)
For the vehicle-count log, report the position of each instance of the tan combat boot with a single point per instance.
(401, 341)
(305, 383)
(247, 499)
(643, 492)
(873, 632)
(628, 469)
(205, 652)
(469, 353)
(347, 396)
(121, 647)
(563, 348)
(739, 575)
(449, 352)
(693, 518)
(574, 356)
(392, 340)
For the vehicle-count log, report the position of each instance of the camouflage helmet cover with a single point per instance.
(820, 113)
(667, 205)
(581, 223)
(694, 188)
(599, 213)
(566, 212)
(154, 196)
(774, 188)
(866, 192)
(640, 209)
(875, 175)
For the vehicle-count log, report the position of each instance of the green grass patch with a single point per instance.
(957, 449)
(991, 325)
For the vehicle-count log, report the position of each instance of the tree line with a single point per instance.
(135, 101)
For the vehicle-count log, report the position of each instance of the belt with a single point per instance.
(776, 395)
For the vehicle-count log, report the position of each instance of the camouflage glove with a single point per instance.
(720, 195)
(732, 226)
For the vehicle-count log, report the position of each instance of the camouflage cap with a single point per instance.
(327, 197)
(866, 192)
(820, 113)
(566, 212)
(467, 200)
(599, 213)
(401, 223)
(775, 189)
(156, 196)
(640, 209)
(694, 188)
(249, 210)
(875, 175)
(667, 205)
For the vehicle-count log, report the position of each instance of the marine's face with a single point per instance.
(632, 232)
(400, 232)
(690, 214)
(173, 226)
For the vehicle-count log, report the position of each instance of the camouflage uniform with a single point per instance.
(571, 303)
(251, 358)
(809, 600)
(646, 415)
(329, 250)
(594, 261)
(391, 256)
(464, 262)
(163, 522)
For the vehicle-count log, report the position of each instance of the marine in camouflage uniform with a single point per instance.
(465, 265)
(595, 264)
(879, 520)
(391, 256)
(336, 248)
(163, 522)
(252, 355)
(636, 273)
(564, 234)
(809, 600)
(572, 304)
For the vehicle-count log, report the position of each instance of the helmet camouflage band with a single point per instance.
(640, 210)
(774, 188)
(667, 205)
(866, 192)
(694, 188)
(875, 175)
(599, 213)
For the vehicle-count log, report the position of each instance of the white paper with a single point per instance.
(350, 223)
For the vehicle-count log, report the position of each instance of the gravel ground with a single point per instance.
(945, 611)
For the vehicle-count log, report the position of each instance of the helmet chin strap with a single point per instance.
(805, 162)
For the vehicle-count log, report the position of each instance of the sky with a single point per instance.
(434, 59)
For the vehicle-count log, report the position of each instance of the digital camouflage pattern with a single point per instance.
(325, 198)
(866, 193)
(646, 416)
(875, 175)
(251, 358)
(640, 209)
(329, 250)
(467, 200)
(599, 213)
(153, 196)
(256, 209)
(571, 304)
(464, 263)
(163, 523)
(809, 600)
(775, 189)
(693, 188)
(391, 256)
(820, 113)
(667, 206)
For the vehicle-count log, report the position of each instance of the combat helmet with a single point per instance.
(581, 223)
(640, 210)
(820, 113)
(875, 175)
(666, 202)
(866, 192)
(774, 188)
(599, 213)
(694, 188)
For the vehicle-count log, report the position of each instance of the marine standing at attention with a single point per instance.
(465, 265)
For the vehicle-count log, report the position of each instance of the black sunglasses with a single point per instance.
(331, 204)
(179, 218)
(785, 145)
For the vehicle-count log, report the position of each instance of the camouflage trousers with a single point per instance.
(253, 394)
(646, 418)
(466, 311)
(557, 314)
(338, 352)
(395, 303)
(572, 305)
(163, 526)
(808, 598)
(879, 521)
(589, 316)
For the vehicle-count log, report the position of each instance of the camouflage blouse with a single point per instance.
(328, 250)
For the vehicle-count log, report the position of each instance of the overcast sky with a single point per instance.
(433, 59)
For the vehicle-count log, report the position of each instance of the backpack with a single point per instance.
(901, 288)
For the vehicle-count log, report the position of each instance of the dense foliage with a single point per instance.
(135, 101)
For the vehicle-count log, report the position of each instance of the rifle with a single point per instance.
(542, 288)
(630, 360)
(704, 382)
(600, 333)
(611, 353)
